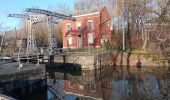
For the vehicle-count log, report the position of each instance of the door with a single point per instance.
(79, 41)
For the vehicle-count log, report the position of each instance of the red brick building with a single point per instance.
(91, 28)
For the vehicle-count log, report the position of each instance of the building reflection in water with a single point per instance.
(109, 83)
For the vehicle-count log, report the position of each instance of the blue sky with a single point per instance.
(18, 6)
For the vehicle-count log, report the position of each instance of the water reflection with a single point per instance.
(109, 83)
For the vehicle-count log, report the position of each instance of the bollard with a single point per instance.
(20, 66)
(167, 63)
(41, 50)
(139, 64)
(38, 63)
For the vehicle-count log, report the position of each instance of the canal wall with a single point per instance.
(84, 62)
(131, 59)
(18, 83)
(27, 71)
(96, 60)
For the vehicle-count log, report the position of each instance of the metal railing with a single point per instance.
(61, 51)
(77, 51)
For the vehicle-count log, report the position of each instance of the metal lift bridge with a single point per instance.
(51, 35)
(32, 19)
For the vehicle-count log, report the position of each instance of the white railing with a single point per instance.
(82, 51)
(62, 51)
(75, 51)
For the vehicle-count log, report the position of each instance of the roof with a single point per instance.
(82, 12)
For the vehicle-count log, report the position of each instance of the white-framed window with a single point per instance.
(78, 24)
(68, 27)
(90, 25)
(90, 38)
(69, 39)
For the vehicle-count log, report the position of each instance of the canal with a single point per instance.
(108, 83)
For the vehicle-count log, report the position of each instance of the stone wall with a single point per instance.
(132, 59)
(109, 58)
(86, 62)
(19, 84)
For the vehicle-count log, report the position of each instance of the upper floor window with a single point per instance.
(68, 27)
(90, 25)
(78, 26)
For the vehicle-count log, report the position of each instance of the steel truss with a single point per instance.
(33, 19)
(52, 43)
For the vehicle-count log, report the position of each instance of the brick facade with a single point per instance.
(87, 30)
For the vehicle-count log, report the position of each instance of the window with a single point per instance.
(90, 25)
(90, 38)
(79, 35)
(69, 39)
(78, 26)
(68, 27)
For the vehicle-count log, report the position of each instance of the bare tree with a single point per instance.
(161, 21)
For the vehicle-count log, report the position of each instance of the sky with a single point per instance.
(19, 6)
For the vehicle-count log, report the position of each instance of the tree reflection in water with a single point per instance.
(110, 83)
